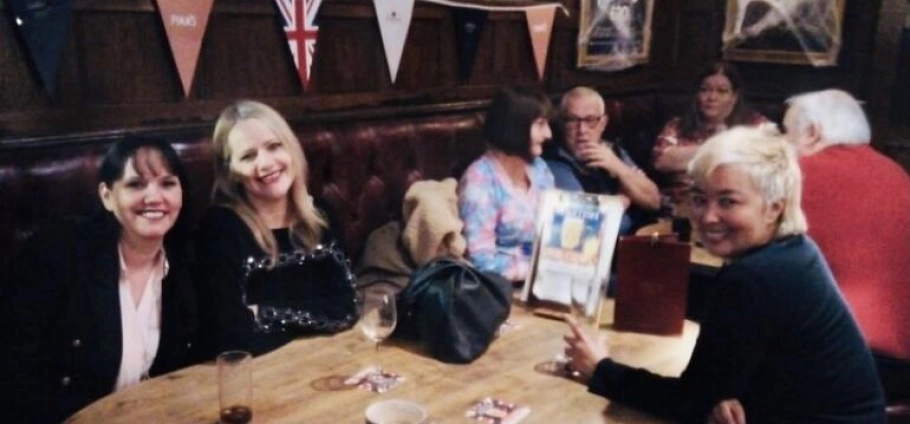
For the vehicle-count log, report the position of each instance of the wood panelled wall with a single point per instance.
(117, 74)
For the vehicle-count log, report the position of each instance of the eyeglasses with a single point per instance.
(588, 121)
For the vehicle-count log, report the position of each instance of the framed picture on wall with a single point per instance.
(784, 31)
(614, 34)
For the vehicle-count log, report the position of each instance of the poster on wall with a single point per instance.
(784, 31)
(614, 34)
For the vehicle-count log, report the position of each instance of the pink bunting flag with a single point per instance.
(185, 23)
(299, 17)
(540, 26)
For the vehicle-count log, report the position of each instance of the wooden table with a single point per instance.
(290, 384)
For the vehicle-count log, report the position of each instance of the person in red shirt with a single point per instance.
(857, 203)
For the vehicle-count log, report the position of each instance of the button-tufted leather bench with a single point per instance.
(361, 163)
(362, 169)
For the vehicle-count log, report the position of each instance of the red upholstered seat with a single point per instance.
(362, 165)
(362, 169)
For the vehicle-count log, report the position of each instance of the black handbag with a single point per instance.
(454, 309)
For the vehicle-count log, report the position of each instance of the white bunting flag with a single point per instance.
(394, 20)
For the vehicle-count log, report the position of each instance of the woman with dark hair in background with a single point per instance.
(717, 105)
(98, 304)
(499, 193)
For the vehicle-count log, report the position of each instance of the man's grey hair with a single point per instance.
(581, 92)
(837, 115)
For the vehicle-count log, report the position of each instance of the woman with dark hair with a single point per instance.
(717, 104)
(98, 304)
(274, 269)
(499, 192)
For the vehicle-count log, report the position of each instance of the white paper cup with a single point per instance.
(395, 411)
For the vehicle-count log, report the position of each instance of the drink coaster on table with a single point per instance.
(495, 411)
(375, 380)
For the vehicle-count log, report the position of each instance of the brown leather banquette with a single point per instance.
(361, 168)
(361, 163)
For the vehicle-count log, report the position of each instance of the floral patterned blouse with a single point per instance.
(499, 218)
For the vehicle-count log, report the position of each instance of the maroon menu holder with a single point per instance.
(652, 277)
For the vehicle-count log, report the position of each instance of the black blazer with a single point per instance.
(60, 320)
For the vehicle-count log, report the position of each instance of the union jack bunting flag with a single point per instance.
(299, 18)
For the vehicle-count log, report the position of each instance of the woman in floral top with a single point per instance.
(716, 106)
(500, 191)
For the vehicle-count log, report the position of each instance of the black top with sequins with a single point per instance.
(306, 291)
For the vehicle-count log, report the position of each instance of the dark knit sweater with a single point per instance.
(778, 337)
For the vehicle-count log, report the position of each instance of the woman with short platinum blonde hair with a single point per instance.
(778, 343)
(770, 163)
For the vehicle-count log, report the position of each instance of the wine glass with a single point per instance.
(582, 292)
(379, 317)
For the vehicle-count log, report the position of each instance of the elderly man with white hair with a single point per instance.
(857, 203)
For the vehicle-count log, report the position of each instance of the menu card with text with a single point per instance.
(576, 237)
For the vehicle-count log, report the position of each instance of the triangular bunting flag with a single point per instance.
(468, 27)
(540, 26)
(299, 19)
(394, 20)
(43, 25)
(185, 23)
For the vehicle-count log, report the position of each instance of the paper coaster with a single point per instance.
(506, 327)
(494, 411)
(375, 380)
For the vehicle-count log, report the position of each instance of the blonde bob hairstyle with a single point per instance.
(770, 163)
(306, 223)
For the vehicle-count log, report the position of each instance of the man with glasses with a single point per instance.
(584, 161)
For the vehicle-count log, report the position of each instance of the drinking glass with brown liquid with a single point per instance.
(235, 387)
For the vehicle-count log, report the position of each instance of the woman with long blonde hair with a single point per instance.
(272, 268)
